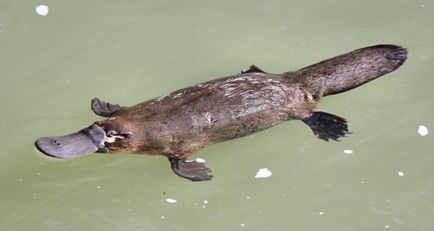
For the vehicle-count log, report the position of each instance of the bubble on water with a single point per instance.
(422, 130)
(321, 213)
(42, 10)
(263, 173)
(242, 225)
(348, 151)
(401, 173)
(170, 200)
(205, 202)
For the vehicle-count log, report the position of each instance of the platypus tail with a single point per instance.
(352, 69)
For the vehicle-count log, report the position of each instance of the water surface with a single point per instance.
(129, 51)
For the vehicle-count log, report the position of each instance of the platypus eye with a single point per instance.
(112, 136)
(111, 133)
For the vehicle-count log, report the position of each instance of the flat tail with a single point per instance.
(350, 70)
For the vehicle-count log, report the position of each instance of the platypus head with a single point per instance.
(102, 136)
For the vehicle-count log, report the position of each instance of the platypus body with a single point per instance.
(180, 123)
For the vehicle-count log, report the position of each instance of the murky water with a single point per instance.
(129, 51)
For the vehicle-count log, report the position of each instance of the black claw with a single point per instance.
(326, 126)
(191, 170)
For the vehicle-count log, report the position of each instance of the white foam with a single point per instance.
(401, 173)
(170, 200)
(422, 130)
(42, 10)
(263, 173)
(348, 151)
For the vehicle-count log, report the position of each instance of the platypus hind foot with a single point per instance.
(190, 169)
(326, 126)
(104, 109)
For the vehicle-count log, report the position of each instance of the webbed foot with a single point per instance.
(326, 126)
(104, 109)
(190, 169)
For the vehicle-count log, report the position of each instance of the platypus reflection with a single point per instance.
(180, 123)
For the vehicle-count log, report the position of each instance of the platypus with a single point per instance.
(179, 124)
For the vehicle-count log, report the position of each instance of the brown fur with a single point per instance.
(184, 121)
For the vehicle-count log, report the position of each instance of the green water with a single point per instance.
(129, 51)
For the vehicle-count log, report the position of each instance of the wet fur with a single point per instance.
(184, 121)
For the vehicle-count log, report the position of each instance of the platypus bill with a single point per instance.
(180, 123)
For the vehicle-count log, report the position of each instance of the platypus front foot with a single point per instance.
(326, 126)
(190, 169)
(104, 109)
